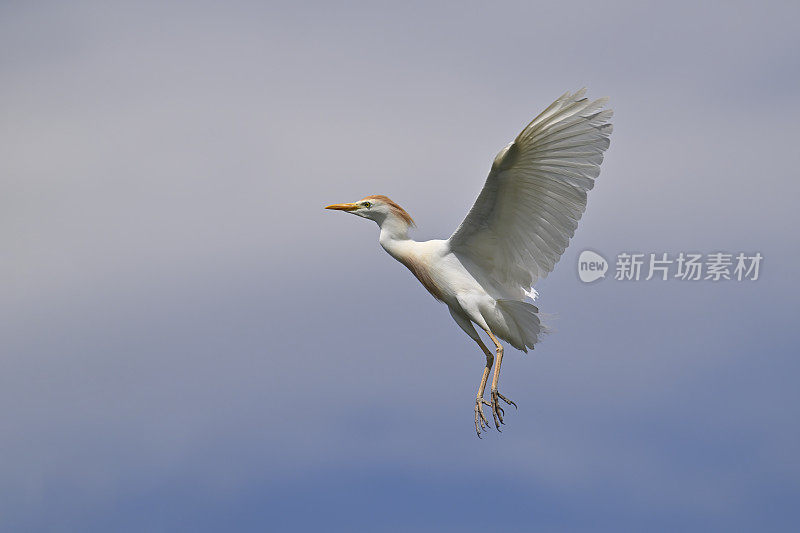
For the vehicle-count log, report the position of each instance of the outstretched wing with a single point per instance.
(535, 194)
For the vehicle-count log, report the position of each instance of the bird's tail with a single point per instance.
(525, 317)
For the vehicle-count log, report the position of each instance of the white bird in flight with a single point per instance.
(514, 234)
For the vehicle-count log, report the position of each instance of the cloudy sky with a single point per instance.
(190, 342)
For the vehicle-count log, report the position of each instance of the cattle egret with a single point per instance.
(514, 234)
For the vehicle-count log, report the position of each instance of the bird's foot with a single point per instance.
(480, 418)
(497, 411)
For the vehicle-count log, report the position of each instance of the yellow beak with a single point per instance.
(343, 207)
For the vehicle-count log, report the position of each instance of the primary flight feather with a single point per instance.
(514, 234)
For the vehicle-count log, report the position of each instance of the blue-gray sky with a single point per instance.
(189, 342)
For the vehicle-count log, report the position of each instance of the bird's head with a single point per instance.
(379, 208)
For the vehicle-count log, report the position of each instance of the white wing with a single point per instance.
(535, 194)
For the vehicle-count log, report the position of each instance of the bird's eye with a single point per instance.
(367, 205)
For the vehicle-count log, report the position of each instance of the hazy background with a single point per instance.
(190, 342)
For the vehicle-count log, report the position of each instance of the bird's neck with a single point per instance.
(394, 235)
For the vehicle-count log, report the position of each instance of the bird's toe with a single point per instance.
(497, 410)
(481, 422)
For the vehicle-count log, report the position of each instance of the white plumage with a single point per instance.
(536, 192)
(514, 234)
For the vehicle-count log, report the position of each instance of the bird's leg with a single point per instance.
(480, 418)
(497, 411)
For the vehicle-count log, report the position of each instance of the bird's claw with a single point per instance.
(480, 419)
(497, 411)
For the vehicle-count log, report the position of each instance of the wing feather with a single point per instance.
(536, 191)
